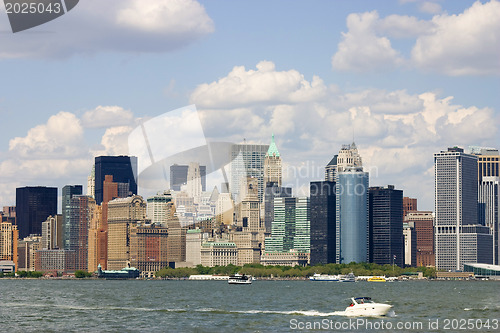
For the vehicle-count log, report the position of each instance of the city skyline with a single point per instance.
(320, 87)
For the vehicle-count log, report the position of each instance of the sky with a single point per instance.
(404, 79)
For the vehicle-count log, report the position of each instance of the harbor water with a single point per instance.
(264, 306)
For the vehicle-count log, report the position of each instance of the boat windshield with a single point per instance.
(363, 300)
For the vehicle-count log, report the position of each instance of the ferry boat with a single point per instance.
(124, 273)
(376, 279)
(348, 278)
(240, 279)
(364, 306)
(324, 277)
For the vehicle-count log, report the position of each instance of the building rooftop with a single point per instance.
(219, 244)
(485, 266)
(333, 161)
(273, 150)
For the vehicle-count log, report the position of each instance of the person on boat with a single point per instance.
(351, 304)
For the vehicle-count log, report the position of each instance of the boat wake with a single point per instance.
(311, 313)
(484, 308)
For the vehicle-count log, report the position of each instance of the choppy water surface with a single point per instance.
(264, 306)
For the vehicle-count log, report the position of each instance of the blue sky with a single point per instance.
(407, 77)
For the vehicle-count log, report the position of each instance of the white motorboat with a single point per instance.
(240, 279)
(364, 306)
(324, 277)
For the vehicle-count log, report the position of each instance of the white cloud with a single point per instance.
(361, 49)
(61, 135)
(107, 116)
(430, 7)
(114, 141)
(464, 44)
(402, 26)
(182, 16)
(266, 84)
(121, 26)
(56, 153)
(397, 132)
(381, 101)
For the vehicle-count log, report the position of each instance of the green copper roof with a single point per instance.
(273, 150)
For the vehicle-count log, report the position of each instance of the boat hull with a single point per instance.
(368, 310)
(239, 281)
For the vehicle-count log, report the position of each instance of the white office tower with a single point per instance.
(193, 186)
(91, 183)
(459, 238)
(349, 158)
(158, 208)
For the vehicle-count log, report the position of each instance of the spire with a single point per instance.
(273, 150)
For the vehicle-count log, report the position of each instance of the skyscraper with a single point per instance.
(352, 216)
(272, 165)
(148, 248)
(52, 233)
(331, 170)
(272, 191)
(489, 195)
(179, 176)
(33, 206)
(351, 239)
(248, 210)
(81, 213)
(97, 249)
(489, 210)
(247, 160)
(323, 218)
(488, 162)
(386, 226)
(457, 232)
(122, 168)
(158, 208)
(8, 242)
(423, 227)
(224, 209)
(291, 226)
(123, 214)
(272, 183)
(193, 184)
(68, 192)
(348, 158)
(91, 183)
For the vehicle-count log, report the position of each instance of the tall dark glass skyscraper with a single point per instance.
(68, 192)
(323, 218)
(122, 168)
(352, 216)
(386, 226)
(33, 206)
